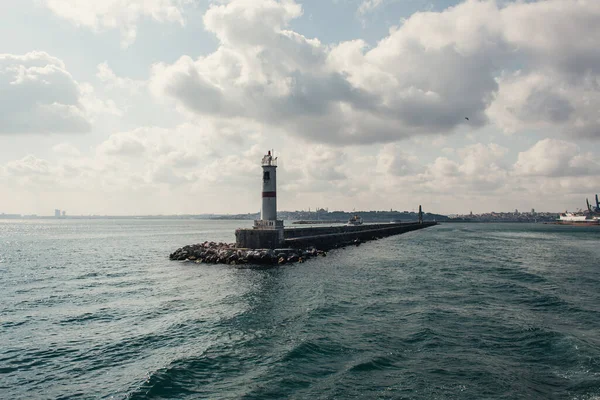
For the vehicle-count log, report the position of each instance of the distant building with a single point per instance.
(3, 216)
(64, 213)
(57, 213)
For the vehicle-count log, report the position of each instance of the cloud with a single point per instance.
(117, 14)
(94, 105)
(28, 166)
(322, 163)
(335, 112)
(136, 160)
(32, 173)
(123, 144)
(66, 149)
(248, 22)
(179, 167)
(556, 158)
(480, 168)
(259, 73)
(368, 5)
(107, 76)
(198, 154)
(541, 100)
(424, 78)
(39, 96)
(393, 160)
(558, 34)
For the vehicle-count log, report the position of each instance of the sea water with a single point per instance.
(95, 309)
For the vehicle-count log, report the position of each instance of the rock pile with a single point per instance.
(227, 253)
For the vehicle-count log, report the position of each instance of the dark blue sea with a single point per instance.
(94, 309)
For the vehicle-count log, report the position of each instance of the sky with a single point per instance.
(136, 107)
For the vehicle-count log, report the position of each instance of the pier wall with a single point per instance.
(335, 236)
(322, 237)
(290, 233)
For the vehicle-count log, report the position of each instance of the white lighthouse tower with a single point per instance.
(269, 188)
(268, 215)
(267, 232)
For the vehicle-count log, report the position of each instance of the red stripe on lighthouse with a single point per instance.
(269, 194)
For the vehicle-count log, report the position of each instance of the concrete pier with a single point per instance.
(331, 237)
(299, 245)
(322, 237)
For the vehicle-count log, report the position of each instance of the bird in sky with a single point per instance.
(467, 118)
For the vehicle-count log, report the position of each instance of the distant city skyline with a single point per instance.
(62, 213)
(166, 107)
(314, 212)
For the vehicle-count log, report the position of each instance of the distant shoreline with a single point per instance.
(293, 221)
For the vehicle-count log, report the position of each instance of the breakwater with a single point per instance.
(330, 237)
(318, 222)
(297, 245)
(321, 237)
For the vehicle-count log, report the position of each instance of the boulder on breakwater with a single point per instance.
(227, 253)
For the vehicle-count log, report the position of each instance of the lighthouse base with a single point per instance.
(259, 238)
(266, 234)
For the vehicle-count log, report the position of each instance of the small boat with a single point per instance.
(355, 220)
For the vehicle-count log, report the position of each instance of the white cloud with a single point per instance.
(178, 165)
(249, 22)
(368, 5)
(28, 166)
(123, 144)
(192, 153)
(335, 113)
(481, 160)
(559, 34)
(480, 168)
(107, 76)
(424, 78)
(38, 95)
(132, 163)
(94, 105)
(66, 149)
(556, 158)
(393, 160)
(322, 165)
(31, 172)
(546, 100)
(117, 14)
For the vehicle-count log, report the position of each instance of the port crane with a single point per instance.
(593, 210)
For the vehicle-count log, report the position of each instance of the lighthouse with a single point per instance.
(268, 231)
(269, 188)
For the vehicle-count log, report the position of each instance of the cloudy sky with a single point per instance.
(166, 106)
